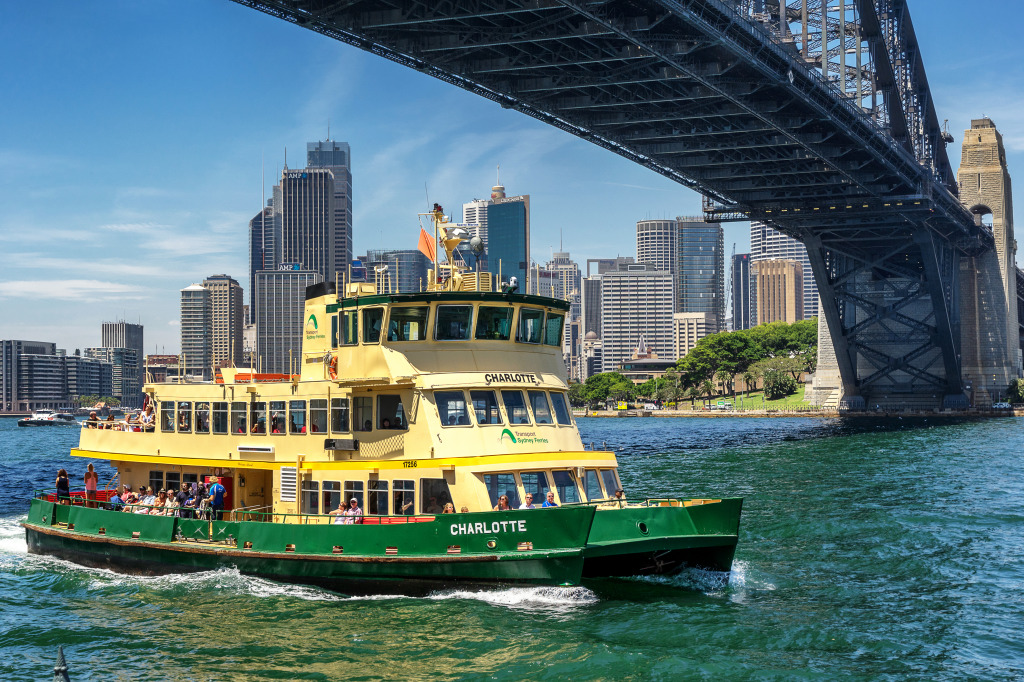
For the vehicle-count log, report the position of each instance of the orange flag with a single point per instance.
(426, 245)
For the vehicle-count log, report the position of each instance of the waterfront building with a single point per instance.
(701, 268)
(196, 332)
(741, 301)
(125, 377)
(162, 368)
(644, 364)
(226, 321)
(767, 243)
(636, 300)
(16, 386)
(87, 376)
(508, 238)
(279, 326)
(657, 244)
(779, 290)
(337, 158)
(262, 251)
(688, 329)
(123, 334)
(406, 269)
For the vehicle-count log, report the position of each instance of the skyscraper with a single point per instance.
(406, 269)
(281, 302)
(125, 384)
(336, 157)
(262, 242)
(476, 212)
(127, 369)
(226, 321)
(307, 224)
(508, 235)
(196, 334)
(767, 243)
(701, 269)
(780, 289)
(123, 334)
(657, 244)
(741, 291)
(636, 300)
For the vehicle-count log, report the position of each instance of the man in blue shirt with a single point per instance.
(550, 501)
(216, 498)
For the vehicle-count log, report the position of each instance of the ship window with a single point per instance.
(390, 412)
(167, 416)
(494, 323)
(537, 484)
(238, 413)
(435, 495)
(485, 404)
(553, 330)
(296, 416)
(173, 482)
(156, 481)
(611, 483)
(190, 478)
(184, 417)
(259, 418)
(277, 416)
(539, 404)
(362, 417)
(515, 407)
(561, 410)
(405, 497)
(377, 499)
(593, 485)
(318, 416)
(565, 486)
(502, 484)
(373, 318)
(530, 322)
(334, 331)
(349, 332)
(202, 418)
(451, 408)
(331, 496)
(453, 322)
(339, 415)
(310, 503)
(354, 489)
(220, 417)
(408, 323)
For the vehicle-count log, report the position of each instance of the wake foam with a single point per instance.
(700, 580)
(519, 596)
(12, 536)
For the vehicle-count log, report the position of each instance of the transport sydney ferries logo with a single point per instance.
(521, 437)
(312, 329)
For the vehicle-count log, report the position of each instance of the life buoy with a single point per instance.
(332, 367)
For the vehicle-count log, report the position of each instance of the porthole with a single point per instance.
(491, 544)
(644, 530)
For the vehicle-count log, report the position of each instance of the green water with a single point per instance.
(882, 550)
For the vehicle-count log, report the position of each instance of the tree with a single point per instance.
(724, 378)
(648, 389)
(693, 393)
(599, 387)
(751, 377)
(779, 376)
(1015, 392)
(577, 394)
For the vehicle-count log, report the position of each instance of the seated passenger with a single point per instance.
(367, 425)
(449, 508)
(339, 513)
(464, 510)
(385, 423)
(502, 504)
(93, 422)
(146, 418)
(398, 422)
(275, 423)
(550, 501)
(451, 420)
(353, 514)
(115, 502)
(463, 420)
(433, 507)
(528, 504)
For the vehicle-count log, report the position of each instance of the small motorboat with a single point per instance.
(49, 418)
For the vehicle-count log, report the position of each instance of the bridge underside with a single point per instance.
(700, 93)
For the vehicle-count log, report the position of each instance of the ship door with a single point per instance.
(229, 493)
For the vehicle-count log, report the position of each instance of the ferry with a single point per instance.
(406, 407)
(49, 418)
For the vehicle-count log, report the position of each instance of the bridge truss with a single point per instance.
(813, 118)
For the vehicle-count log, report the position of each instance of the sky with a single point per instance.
(137, 139)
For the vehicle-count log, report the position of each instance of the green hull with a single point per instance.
(662, 540)
(408, 557)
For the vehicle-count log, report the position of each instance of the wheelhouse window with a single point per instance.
(502, 484)
(531, 321)
(184, 417)
(259, 418)
(561, 409)
(277, 417)
(362, 417)
(485, 405)
(373, 319)
(537, 484)
(156, 481)
(408, 323)
(339, 415)
(332, 496)
(515, 407)
(453, 322)
(318, 416)
(239, 412)
(296, 416)
(167, 416)
(553, 330)
(593, 484)
(348, 333)
(493, 323)
(611, 481)
(354, 489)
(377, 498)
(404, 495)
(172, 479)
(310, 497)
(390, 412)
(435, 495)
(202, 421)
(219, 418)
(565, 486)
(451, 408)
(539, 405)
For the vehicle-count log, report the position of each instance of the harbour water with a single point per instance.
(868, 550)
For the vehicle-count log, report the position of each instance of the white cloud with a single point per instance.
(70, 289)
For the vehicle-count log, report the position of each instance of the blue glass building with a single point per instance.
(508, 238)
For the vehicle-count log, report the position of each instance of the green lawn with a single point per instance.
(754, 401)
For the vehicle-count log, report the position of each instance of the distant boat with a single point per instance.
(49, 418)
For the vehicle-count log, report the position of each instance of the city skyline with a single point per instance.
(169, 165)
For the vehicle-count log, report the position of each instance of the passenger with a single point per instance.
(367, 425)
(110, 421)
(292, 426)
(385, 423)
(502, 504)
(464, 510)
(93, 422)
(550, 501)
(183, 421)
(63, 486)
(91, 479)
(146, 500)
(217, 498)
(451, 420)
(159, 504)
(181, 499)
(463, 420)
(398, 422)
(146, 418)
(275, 423)
(620, 497)
(433, 507)
(528, 504)
(449, 508)
(353, 515)
(115, 502)
(171, 505)
(339, 513)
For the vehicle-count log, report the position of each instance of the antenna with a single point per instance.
(328, 128)
(498, 175)
(286, 158)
